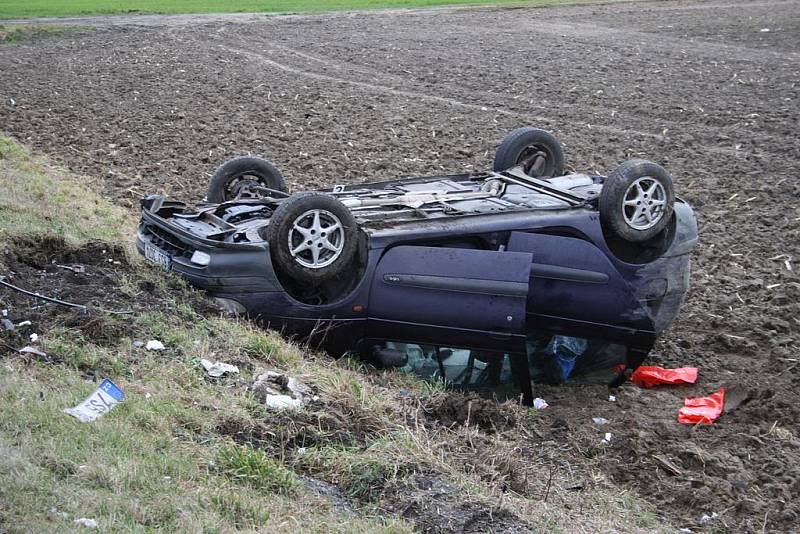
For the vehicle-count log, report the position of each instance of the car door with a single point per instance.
(576, 288)
(451, 296)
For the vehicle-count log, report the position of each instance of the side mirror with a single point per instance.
(384, 357)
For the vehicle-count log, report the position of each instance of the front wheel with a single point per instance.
(637, 200)
(312, 237)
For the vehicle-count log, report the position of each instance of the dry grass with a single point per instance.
(185, 453)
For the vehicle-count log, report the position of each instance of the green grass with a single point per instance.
(183, 453)
(48, 8)
(156, 462)
(12, 33)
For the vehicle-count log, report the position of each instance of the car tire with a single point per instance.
(538, 151)
(637, 200)
(312, 237)
(232, 178)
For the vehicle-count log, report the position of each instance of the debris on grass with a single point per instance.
(539, 404)
(32, 350)
(600, 420)
(101, 401)
(154, 344)
(217, 369)
(85, 522)
(279, 391)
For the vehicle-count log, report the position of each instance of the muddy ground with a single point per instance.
(709, 89)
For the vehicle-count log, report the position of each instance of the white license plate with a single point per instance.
(104, 398)
(157, 256)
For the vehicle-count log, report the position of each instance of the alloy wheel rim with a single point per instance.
(644, 203)
(316, 239)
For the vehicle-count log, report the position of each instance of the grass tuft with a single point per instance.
(253, 467)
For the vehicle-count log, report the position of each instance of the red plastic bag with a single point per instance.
(648, 376)
(702, 410)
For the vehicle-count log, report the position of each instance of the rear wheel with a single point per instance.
(637, 200)
(537, 151)
(244, 177)
(312, 237)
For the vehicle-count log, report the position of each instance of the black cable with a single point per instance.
(59, 302)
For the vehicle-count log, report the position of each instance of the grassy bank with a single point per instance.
(375, 452)
(10, 9)
(157, 462)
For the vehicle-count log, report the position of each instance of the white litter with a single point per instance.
(612, 398)
(600, 420)
(707, 518)
(218, 369)
(84, 522)
(607, 438)
(281, 402)
(764, 30)
(24, 323)
(32, 350)
(101, 401)
(5, 313)
(138, 344)
(280, 392)
(154, 344)
(34, 337)
(539, 404)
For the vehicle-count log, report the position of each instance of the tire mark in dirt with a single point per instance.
(536, 119)
(418, 95)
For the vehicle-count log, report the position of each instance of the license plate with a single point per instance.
(157, 256)
(98, 403)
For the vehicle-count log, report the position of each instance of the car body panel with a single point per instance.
(449, 292)
(473, 272)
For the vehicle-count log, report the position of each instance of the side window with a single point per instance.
(559, 359)
(470, 369)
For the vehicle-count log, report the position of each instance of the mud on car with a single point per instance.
(489, 281)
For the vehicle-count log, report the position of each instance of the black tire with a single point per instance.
(632, 212)
(282, 230)
(539, 153)
(231, 179)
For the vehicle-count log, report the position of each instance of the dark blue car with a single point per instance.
(487, 281)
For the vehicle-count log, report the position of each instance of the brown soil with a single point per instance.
(96, 276)
(88, 276)
(696, 86)
(467, 410)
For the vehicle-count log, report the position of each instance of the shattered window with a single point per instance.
(460, 367)
(560, 359)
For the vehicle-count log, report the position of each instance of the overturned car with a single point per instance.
(487, 281)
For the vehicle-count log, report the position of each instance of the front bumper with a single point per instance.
(241, 268)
